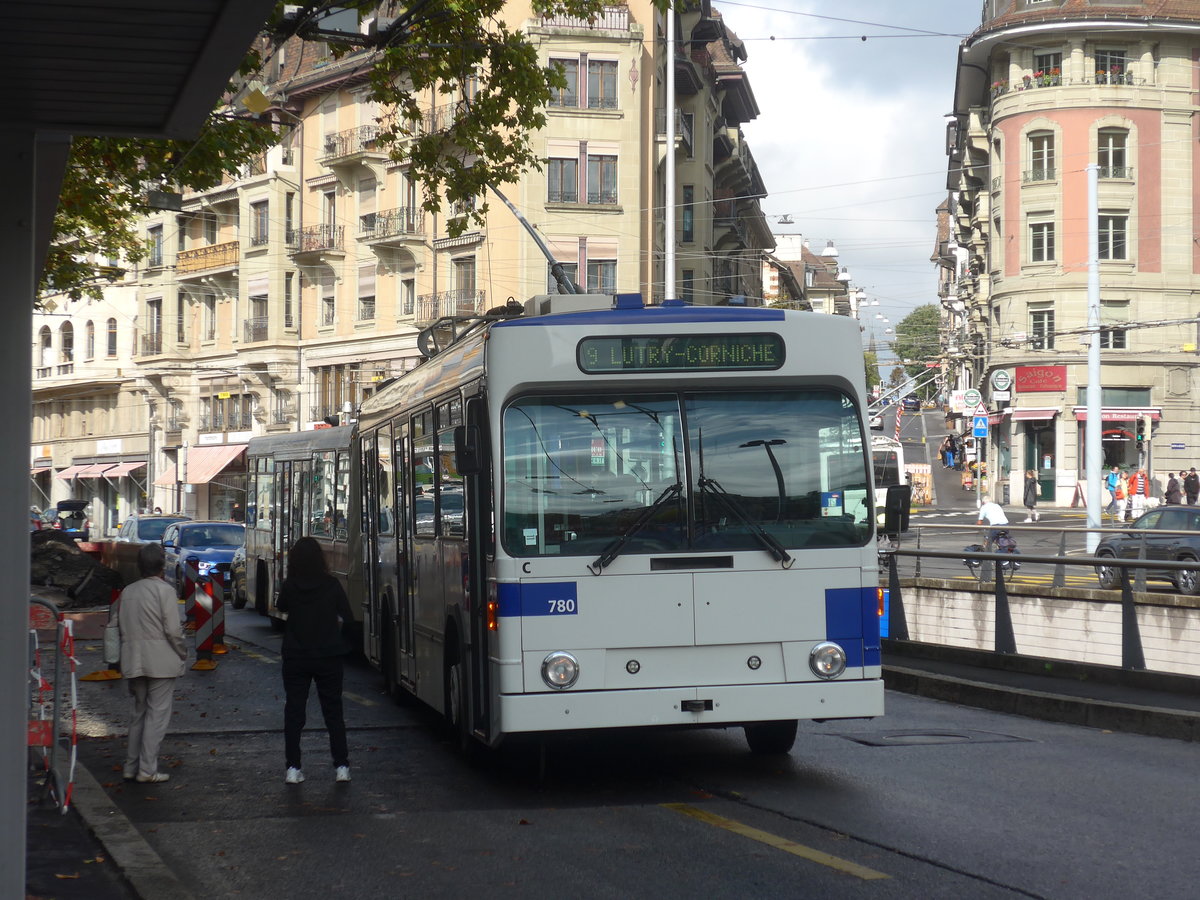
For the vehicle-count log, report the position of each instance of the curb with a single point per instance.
(141, 866)
(1148, 720)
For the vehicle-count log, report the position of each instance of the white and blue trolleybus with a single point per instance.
(600, 514)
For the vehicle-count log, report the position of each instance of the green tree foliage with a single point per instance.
(917, 338)
(871, 361)
(437, 46)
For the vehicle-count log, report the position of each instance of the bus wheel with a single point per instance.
(771, 737)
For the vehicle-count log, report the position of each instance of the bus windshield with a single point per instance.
(696, 471)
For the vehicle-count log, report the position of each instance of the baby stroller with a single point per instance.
(1003, 542)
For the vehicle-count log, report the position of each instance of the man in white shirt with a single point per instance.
(992, 514)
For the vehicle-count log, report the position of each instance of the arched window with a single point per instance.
(112, 338)
(66, 343)
(89, 341)
(45, 347)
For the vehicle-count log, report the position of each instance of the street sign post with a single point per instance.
(979, 426)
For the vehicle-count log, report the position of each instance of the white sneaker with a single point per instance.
(1028, 520)
(293, 776)
(342, 773)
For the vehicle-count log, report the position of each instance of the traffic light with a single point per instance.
(1141, 433)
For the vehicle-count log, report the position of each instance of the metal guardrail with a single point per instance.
(1132, 575)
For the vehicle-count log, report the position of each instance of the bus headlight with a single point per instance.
(827, 660)
(560, 670)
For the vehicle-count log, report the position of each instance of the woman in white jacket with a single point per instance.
(152, 657)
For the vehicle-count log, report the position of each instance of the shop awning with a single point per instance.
(38, 470)
(1035, 413)
(1115, 413)
(71, 472)
(203, 464)
(124, 468)
(997, 418)
(95, 470)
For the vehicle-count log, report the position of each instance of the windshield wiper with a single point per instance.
(733, 506)
(613, 550)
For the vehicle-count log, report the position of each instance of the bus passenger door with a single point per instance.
(477, 534)
(373, 614)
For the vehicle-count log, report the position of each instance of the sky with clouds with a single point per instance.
(850, 134)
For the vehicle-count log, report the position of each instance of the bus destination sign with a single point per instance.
(681, 353)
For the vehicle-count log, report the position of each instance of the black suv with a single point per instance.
(1147, 532)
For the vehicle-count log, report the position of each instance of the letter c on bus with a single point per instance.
(525, 568)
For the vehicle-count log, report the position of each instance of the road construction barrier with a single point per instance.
(207, 610)
(112, 646)
(191, 579)
(53, 701)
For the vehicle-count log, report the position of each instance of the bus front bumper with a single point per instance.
(718, 705)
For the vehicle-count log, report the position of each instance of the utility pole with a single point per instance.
(1092, 431)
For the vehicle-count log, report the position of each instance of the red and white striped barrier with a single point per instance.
(207, 611)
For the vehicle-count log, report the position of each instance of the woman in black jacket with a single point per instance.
(313, 651)
(1032, 492)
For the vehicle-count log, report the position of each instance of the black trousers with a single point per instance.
(326, 672)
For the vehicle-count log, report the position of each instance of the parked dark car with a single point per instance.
(72, 519)
(1147, 532)
(212, 543)
(134, 533)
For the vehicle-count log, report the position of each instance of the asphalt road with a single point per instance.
(932, 800)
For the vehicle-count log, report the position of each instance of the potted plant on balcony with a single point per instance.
(1028, 82)
(998, 88)
(1055, 76)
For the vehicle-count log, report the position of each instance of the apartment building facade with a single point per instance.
(1045, 89)
(278, 300)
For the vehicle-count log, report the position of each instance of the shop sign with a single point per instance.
(1034, 379)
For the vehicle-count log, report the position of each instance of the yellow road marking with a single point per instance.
(258, 656)
(779, 843)
(363, 701)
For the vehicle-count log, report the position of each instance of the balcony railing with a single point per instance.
(602, 196)
(256, 328)
(449, 303)
(683, 126)
(610, 18)
(214, 256)
(174, 423)
(1033, 175)
(281, 416)
(362, 139)
(315, 238)
(1034, 82)
(152, 344)
(562, 195)
(366, 309)
(327, 312)
(1116, 171)
(392, 222)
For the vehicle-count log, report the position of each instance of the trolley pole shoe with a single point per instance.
(191, 578)
(204, 626)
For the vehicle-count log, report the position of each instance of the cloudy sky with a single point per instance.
(850, 135)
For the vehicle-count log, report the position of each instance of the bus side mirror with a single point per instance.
(468, 451)
(896, 507)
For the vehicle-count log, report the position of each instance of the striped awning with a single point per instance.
(203, 464)
(95, 470)
(72, 472)
(1035, 413)
(124, 468)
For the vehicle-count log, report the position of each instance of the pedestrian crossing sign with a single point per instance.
(979, 426)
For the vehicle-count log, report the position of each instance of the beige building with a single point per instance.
(1045, 89)
(278, 300)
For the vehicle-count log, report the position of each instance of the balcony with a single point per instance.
(1119, 172)
(205, 260)
(255, 329)
(351, 146)
(610, 18)
(151, 345)
(465, 302)
(683, 129)
(392, 226)
(1036, 82)
(1032, 176)
(317, 239)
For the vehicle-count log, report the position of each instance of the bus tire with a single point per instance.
(771, 737)
(455, 698)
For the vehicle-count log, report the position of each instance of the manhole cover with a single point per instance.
(919, 738)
